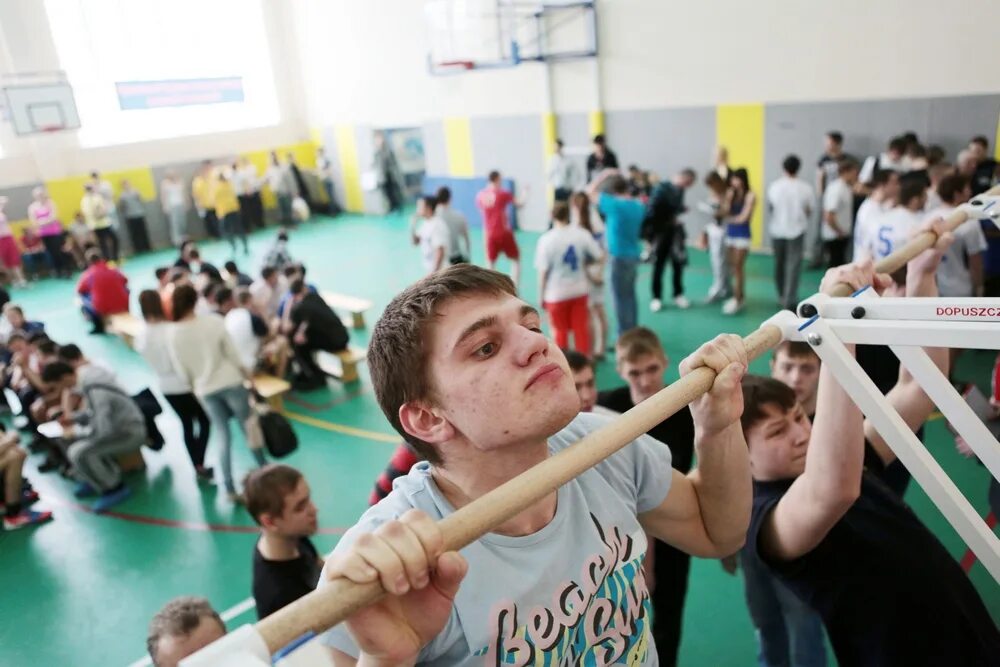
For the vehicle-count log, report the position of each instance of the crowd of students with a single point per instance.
(226, 197)
(823, 541)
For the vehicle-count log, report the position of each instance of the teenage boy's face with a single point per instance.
(643, 374)
(496, 379)
(801, 373)
(586, 388)
(299, 517)
(778, 443)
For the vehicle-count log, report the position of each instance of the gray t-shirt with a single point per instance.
(458, 227)
(572, 593)
(953, 275)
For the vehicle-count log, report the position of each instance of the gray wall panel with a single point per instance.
(329, 138)
(664, 141)
(18, 199)
(514, 146)
(868, 125)
(954, 120)
(574, 130)
(186, 171)
(435, 150)
(374, 201)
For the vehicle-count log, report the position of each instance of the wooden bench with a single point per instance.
(342, 365)
(353, 305)
(126, 326)
(272, 389)
(130, 461)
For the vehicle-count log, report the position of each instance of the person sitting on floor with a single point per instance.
(257, 347)
(312, 326)
(16, 497)
(184, 626)
(14, 320)
(103, 291)
(108, 423)
(286, 565)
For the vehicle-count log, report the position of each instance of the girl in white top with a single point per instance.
(204, 354)
(561, 259)
(580, 205)
(153, 344)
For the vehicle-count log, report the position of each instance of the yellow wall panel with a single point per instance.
(67, 192)
(458, 143)
(596, 123)
(350, 167)
(740, 128)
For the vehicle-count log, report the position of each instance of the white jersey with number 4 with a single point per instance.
(564, 252)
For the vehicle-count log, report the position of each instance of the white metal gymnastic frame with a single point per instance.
(906, 325)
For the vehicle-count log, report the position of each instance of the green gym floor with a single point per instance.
(91, 583)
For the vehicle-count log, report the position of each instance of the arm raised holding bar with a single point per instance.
(339, 599)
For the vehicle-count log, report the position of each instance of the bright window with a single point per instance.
(102, 43)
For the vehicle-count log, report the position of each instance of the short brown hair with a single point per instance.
(795, 348)
(151, 304)
(638, 342)
(760, 392)
(560, 211)
(179, 618)
(577, 361)
(183, 300)
(951, 188)
(265, 489)
(397, 352)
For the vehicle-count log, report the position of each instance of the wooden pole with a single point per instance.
(333, 603)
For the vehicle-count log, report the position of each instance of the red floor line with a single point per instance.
(319, 408)
(969, 559)
(182, 525)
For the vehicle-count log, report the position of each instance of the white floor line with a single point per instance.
(236, 610)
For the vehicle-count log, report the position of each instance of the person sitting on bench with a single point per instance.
(109, 423)
(312, 326)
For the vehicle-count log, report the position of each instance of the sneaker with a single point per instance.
(682, 302)
(655, 305)
(205, 474)
(731, 307)
(26, 518)
(112, 498)
(84, 490)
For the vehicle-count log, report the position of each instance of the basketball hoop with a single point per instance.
(452, 66)
(47, 129)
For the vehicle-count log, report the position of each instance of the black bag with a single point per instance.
(279, 436)
(150, 408)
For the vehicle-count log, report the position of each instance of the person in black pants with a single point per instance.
(389, 176)
(641, 362)
(151, 343)
(666, 233)
(312, 326)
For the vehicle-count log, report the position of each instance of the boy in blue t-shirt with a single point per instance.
(623, 216)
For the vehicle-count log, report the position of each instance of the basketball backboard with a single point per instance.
(39, 103)
(465, 35)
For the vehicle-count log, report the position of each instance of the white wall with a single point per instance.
(365, 61)
(25, 34)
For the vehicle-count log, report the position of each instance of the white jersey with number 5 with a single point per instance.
(564, 253)
(890, 232)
